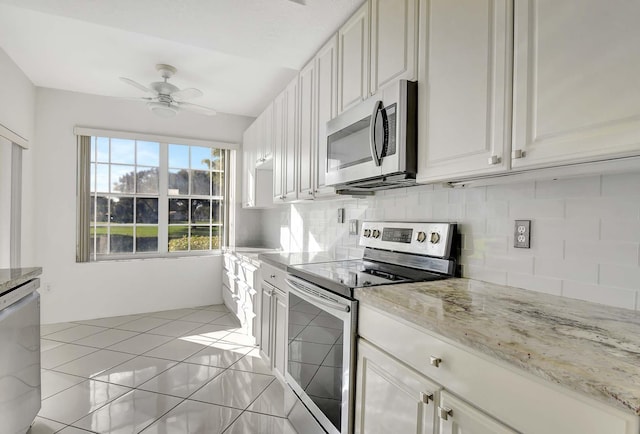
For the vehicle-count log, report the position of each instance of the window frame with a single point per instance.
(163, 196)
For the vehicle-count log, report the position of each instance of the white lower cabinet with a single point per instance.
(280, 331)
(399, 364)
(273, 318)
(391, 397)
(240, 294)
(456, 416)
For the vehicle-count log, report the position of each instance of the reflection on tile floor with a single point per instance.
(173, 372)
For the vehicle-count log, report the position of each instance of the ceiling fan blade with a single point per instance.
(301, 2)
(185, 94)
(197, 108)
(142, 98)
(138, 85)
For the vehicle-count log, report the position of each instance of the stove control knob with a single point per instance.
(421, 237)
(367, 233)
(434, 238)
(376, 233)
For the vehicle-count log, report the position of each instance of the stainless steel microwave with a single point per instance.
(373, 146)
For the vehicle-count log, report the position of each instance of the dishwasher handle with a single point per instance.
(314, 296)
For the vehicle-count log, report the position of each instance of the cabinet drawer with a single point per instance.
(248, 273)
(515, 397)
(229, 262)
(273, 275)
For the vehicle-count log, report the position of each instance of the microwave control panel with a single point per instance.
(431, 239)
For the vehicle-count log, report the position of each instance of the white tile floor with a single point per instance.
(175, 372)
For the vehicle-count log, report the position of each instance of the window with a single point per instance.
(152, 198)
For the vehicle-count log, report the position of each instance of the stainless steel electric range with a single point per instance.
(322, 315)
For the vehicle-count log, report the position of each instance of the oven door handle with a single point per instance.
(309, 296)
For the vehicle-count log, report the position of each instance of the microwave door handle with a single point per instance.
(378, 106)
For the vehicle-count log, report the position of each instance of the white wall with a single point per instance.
(72, 291)
(585, 232)
(17, 113)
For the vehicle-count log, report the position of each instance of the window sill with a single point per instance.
(124, 258)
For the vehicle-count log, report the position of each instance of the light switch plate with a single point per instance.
(353, 227)
(522, 234)
(340, 215)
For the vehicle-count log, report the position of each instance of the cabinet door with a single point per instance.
(391, 397)
(326, 109)
(576, 93)
(465, 90)
(266, 297)
(278, 147)
(353, 59)
(290, 142)
(279, 331)
(265, 132)
(459, 417)
(307, 131)
(248, 167)
(394, 37)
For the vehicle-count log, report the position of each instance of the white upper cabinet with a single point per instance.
(576, 74)
(464, 88)
(307, 126)
(278, 146)
(290, 148)
(248, 166)
(353, 59)
(394, 42)
(326, 108)
(265, 134)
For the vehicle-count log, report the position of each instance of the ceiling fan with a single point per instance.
(167, 100)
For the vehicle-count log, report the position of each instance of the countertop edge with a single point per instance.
(30, 273)
(406, 316)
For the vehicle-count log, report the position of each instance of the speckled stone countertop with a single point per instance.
(590, 348)
(12, 277)
(250, 254)
(284, 259)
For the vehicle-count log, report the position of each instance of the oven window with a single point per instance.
(315, 355)
(349, 146)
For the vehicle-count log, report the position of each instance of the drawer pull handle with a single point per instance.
(444, 413)
(435, 361)
(426, 397)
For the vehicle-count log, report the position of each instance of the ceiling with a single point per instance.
(240, 53)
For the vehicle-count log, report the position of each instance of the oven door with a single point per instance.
(321, 353)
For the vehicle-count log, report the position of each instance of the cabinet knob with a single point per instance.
(494, 159)
(272, 276)
(517, 153)
(435, 361)
(425, 397)
(310, 192)
(444, 413)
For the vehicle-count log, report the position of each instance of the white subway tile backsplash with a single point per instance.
(603, 252)
(611, 296)
(536, 209)
(604, 208)
(620, 276)
(585, 231)
(510, 263)
(517, 191)
(564, 188)
(625, 184)
(535, 283)
(620, 230)
(580, 271)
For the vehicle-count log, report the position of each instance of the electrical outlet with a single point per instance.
(522, 234)
(340, 215)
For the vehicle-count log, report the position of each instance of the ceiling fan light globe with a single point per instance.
(163, 110)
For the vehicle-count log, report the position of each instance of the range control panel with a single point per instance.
(432, 239)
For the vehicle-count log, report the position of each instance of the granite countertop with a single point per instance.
(284, 259)
(250, 254)
(12, 277)
(590, 348)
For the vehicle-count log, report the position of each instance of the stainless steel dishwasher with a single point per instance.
(19, 357)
